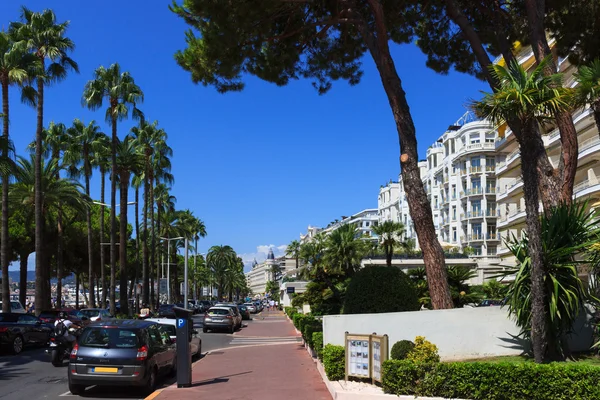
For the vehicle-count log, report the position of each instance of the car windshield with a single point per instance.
(168, 329)
(217, 311)
(99, 336)
(75, 313)
(90, 313)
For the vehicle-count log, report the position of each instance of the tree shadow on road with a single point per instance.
(12, 366)
(220, 379)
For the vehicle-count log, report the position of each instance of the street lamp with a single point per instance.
(169, 266)
(117, 205)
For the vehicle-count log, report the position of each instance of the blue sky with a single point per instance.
(258, 166)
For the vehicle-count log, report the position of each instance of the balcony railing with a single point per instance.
(463, 171)
(475, 237)
(475, 214)
(581, 186)
(471, 192)
(586, 144)
(476, 170)
(490, 190)
(492, 236)
(476, 146)
(490, 168)
(512, 155)
(492, 213)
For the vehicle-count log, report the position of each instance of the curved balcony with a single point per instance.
(472, 192)
(492, 237)
(511, 217)
(476, 237)
(475, 214)
(492, 213)
(475, 170)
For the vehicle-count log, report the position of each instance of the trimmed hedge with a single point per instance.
(380, 290)
(492, 381)
(333, 362)
(401, 349)
(290, 311)
(311, 325)
(300, 320)
(317, 340)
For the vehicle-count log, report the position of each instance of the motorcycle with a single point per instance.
(60, 348)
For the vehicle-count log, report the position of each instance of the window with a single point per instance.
(435, 200)
(367, 224)
(453, 192)
(475, 138)
(476, 206)
(475, 183)
(434, 160)
(454, 213)
(492, 250)
(27, 319)
(454, 234)
(452, 146)
(490, 137)
(490, 161)
(476, 228)
(475, 162)
(477, 250)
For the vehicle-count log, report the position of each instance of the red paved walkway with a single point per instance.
(267, 372)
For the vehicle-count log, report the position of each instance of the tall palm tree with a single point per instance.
(165, 202)
(390, 235)
(191, 228)
(136, 182)
(529, 99)
(46, 39)
(123, 95)
(128, 161)
(16, 65)
(588, 89)
(82, 143)
(219, 259)
(293, 250)
(100, 160)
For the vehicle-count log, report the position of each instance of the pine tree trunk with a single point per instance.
(102, 261)
(22, 277)
(123, 243)
(419, 206)
(113, 220)
(42, 297)
(4, 238)
(88, 217)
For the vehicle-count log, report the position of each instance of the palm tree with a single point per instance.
(45, 38)
(122, 95)
(293, 250)
(344, 250)
(529, 99)
(15, 66)
(128, 161)
(588, 89)
(136, 182)
(164, 203)
(82, 143)
(191, 228)
(101, 161)
(219, 259)
(390, 235)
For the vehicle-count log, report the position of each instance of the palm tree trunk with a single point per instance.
(152, 233)
(419, 206)
(76, 289)
(60, 247)
(389, 250)
(137, 243)
(88, 217)
(23, 277)
(123, 243)
(113, 220)
(102, 263)
(145, 266)
(4, 238)
(42, 298)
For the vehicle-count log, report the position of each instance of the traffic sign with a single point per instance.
(180, 323)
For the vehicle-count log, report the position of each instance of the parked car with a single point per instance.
(166, 311)
(96, 314)
(169, 326)
(121, 353)
(19, 330)
(205, 304)
(73, 315)
(219, 318)
(251, 308)
(236, 312)
(244, 312)
(15, 307)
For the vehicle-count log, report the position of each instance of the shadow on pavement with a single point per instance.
(220, 379)
(10, 363)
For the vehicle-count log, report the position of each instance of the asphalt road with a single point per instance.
(30, 375)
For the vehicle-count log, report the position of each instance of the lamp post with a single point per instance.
(185, 276)
(169, 265)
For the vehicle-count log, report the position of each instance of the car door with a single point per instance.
(26, 325)
(158, 348)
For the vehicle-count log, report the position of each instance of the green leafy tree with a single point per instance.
(121, 93)
(344, 251)
(494, 290)
(390, 235)
(324, 41)
(587, 92)
(46, 39)
(530, 99)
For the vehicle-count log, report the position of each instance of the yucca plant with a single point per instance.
(568, 232)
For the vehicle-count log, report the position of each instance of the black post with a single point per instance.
(184, 355)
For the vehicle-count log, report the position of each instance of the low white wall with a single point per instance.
(459, 333)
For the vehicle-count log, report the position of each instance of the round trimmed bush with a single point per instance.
(380, 290)
(401, 349)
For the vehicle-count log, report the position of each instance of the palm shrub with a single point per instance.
(568, 234)
(380, 290)
(401, 348)
(494, 289)
(461, 292)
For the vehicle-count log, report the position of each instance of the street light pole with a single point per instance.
(169, 266)
(185, 276)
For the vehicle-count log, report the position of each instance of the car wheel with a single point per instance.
(205, 330)
(76, 389)
(232, 330)
(17, 344)
(151, 382)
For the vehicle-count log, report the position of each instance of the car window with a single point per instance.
(155, 338)
(15, 305)
(90, 313)
(168, 329)
(109, 337)
(218, 311)
(27, 319)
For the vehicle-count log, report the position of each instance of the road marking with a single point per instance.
(65, 394)
(154, 394)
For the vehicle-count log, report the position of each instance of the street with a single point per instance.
(30, 375)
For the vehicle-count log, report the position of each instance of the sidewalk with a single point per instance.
(273, 366)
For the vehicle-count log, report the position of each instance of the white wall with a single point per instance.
(460, 333)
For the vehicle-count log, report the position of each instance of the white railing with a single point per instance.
(581, 186)
(512, 155)
(586, 144)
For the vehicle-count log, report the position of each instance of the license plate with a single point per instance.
(105, 370)
(217, 320)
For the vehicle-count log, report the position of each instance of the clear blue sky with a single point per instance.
(258, 166)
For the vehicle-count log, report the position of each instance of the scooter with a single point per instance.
(60, 348)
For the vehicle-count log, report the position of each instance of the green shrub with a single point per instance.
(492, 381)
(380, 290)
(311, 325)
(401, 349)
(333, 362)
(423, 352)
(317, 340)
(290, 311)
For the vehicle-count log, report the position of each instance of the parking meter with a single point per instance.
(184, 356)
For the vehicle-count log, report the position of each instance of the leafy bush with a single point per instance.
(423, 352)
(380, 290)
(492, 381)
(300, 320)
(290, 311)
(311, 325)
(401, 349)
(333, 362)
(317, 340)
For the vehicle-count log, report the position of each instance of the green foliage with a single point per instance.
(401, 348)
(300, 319)
(390, 234)
(273, 289)
(380, 290)
(317, 344)
(423, 352)
(290, 311)
(460, 291)
(492, 381)
(494, 290)
(311, 325)
(334, 362)
(298, 300)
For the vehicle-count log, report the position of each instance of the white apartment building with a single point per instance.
(364, 221)
(459, 178)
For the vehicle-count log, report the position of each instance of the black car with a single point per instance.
(121, 353)
(490, 303)
(166, 311)
(19, 330)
